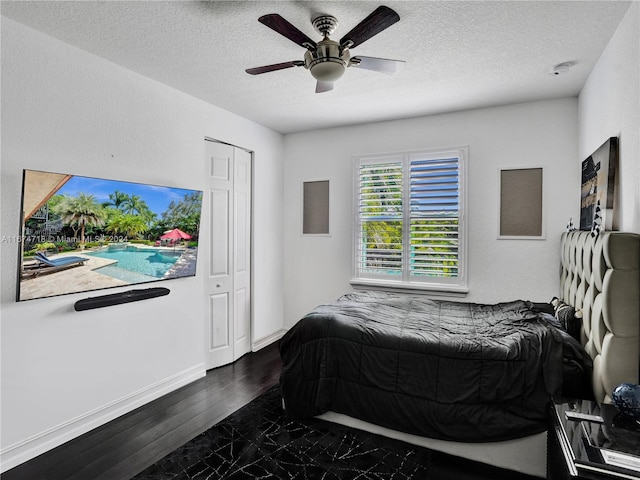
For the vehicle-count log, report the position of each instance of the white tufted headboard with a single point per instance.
(601, 276)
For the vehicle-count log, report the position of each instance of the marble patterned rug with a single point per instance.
(259, 441)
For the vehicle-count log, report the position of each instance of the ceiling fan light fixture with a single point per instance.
(327, 69)
(327, 63)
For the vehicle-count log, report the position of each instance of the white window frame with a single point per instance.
(455, 285)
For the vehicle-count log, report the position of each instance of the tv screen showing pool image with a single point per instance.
(81, 234)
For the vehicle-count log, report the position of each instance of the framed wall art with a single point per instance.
(521, 204)
(315, 207)
(598, 188)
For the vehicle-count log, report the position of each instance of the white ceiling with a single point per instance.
(459, 54)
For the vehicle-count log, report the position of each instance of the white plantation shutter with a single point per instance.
(408, 219)
(434, 217)
(379, 237)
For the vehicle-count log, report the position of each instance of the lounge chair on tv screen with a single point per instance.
(46, 265)
(59, 262)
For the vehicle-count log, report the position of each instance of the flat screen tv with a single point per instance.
(82, 234)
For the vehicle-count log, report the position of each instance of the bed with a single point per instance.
(469, 379)
(600, 276)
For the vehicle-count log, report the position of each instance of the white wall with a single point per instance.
(64, 372)
(609, 106)
(64, 110)
(318, 269)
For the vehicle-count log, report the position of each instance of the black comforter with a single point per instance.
(442, 369)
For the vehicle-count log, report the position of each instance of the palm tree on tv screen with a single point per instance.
(133, 205)
(116, 199)
(124, 223)
(81, 211)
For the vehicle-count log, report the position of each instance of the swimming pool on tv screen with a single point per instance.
(136, 265)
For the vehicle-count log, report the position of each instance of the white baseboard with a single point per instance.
(268, 340)
(22, 451)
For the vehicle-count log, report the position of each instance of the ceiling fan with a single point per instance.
(327, 59)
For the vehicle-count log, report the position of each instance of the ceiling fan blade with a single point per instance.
(274, 67)
(283, 27)
(382, 65)
(322, 87)
(380, 19)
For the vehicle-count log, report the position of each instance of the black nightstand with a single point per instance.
(591, 450)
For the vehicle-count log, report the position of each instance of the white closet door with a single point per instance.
(242, 252)
(228, 289)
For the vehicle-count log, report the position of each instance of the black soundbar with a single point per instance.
(118, 298)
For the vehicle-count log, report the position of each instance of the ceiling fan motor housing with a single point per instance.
(328, 62)
(325, 25)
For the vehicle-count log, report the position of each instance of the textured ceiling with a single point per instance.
(459, 55)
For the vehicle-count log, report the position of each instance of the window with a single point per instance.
(409, 220)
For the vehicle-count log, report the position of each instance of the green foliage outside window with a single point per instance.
(433, 238)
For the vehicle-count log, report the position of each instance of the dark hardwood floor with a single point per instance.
(127, 445)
